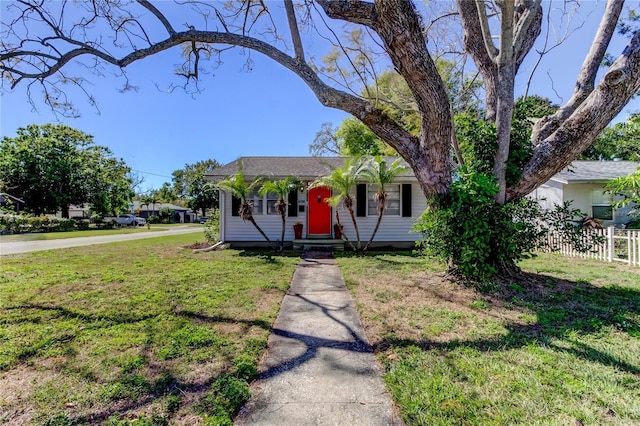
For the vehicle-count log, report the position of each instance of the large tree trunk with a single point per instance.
(504, 111)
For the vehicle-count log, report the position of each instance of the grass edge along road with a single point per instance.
(140, 332)
(39, 236)
(558, 345)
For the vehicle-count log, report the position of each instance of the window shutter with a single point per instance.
(406, 200)
(361, 200)
(292, 208)
(235, 206)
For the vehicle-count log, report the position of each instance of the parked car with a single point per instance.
(202, 219)
(129, 220)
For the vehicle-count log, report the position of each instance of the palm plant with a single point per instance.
(146, 201)
(342, 180)
(241, 189)
(376, 171)
(282, 188)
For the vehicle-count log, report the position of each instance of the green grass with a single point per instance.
(75, 234)
(140, 329)
(559, 345)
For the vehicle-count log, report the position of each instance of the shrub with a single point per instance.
(470, 230)
(212, 227)
(65, 225)
(480, 238)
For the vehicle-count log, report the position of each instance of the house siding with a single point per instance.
(579, 194)
(235, 229)
(548, 195)
(392, 228)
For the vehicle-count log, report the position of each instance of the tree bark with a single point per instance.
(504, 111)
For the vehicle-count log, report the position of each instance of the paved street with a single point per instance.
(28, 246)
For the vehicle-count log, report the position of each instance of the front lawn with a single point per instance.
(139, 332)
(559, 346)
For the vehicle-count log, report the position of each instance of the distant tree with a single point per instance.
(112, 189)
(189, 184)
(620, 141)
(166, 193)
(325, 143)
(53, 166)
(282, 188)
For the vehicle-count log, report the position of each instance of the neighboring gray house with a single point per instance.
(180, 214)
(583, 183)
(405, 203)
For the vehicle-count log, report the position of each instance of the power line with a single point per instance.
(149, 173)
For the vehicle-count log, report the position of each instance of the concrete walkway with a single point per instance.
(38, 245)
(319, 368)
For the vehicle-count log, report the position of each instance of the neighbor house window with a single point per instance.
(393, 200)
(601, 205)
(257, 202)
(272, 199)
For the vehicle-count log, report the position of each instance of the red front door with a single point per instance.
(319, 211)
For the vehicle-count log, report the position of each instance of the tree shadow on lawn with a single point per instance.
(268, 255)
(141, 384)
(564, 309)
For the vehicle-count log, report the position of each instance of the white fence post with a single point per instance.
(610, 232)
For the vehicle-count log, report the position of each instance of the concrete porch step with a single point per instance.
(308, 244)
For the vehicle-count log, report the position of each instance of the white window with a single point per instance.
(601, 205)
(272, 199)
(257, 202)
(393, 200)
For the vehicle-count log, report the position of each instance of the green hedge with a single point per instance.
(16, 224)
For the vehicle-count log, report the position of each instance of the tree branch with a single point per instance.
(587, 75)
(358, 12)
(492, 52)
(147, 5)
(588, 119)
(474, 43)
(528, 28)
(293, 27)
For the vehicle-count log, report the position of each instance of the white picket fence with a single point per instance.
(619, 245)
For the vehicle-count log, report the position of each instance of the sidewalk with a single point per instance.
(319, 368)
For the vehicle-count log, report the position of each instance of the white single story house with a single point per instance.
(308, 207)
(582, 183)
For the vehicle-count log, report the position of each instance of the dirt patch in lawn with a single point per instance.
(429, 307)
(197, 245)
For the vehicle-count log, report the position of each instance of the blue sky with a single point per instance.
(267, 111)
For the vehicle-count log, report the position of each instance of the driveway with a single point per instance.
(28, 246)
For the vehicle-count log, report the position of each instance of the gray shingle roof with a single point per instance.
(313, 167)
(277, 167)
(595, 171)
